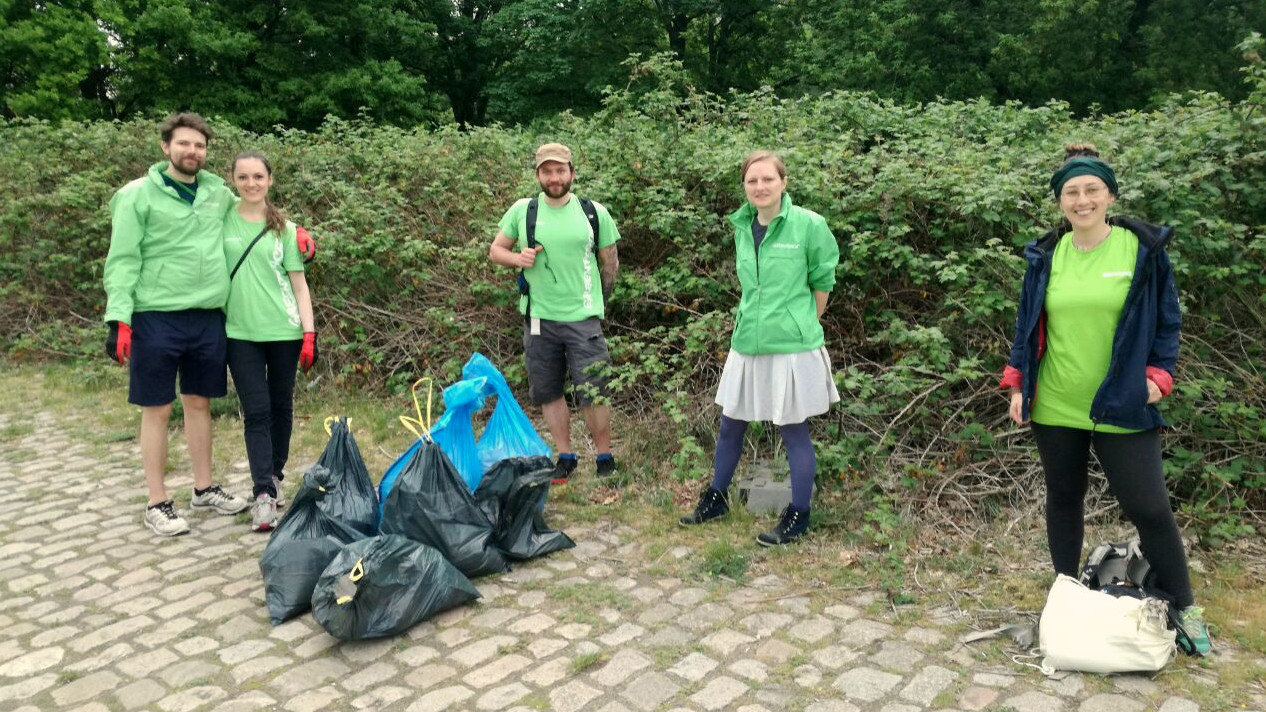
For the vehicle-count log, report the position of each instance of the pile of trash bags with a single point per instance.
(373, 562)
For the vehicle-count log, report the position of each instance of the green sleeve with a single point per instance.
(510, 221)
(123, 262)
(824, 256)
(608, 233)
(291, 260)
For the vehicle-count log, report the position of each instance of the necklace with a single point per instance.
(1088, 248)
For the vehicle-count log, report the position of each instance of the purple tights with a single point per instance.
(800, 457)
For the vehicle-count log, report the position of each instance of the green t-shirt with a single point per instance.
(564, 281)
(1084, 299)
(261, 305)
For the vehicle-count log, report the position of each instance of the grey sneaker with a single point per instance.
(215, 498)
(263, 513)
(162, 519)
(281, 498)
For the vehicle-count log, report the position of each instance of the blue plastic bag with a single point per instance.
(454, 432)
(508, 433)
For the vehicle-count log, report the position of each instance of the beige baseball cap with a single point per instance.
(553, 152)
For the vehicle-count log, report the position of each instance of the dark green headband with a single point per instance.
(1083, 166)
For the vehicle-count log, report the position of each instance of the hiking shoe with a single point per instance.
(606, 466)
(792, 524)
(713, 503)
(264, 513)
(1192, 619)
(162, 519)
(281, 500)
(215, 498)
(563, 469)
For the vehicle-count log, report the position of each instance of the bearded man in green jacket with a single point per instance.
(166, 283)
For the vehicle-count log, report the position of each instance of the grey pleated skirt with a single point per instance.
(780, 388)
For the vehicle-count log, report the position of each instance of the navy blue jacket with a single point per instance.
(1146, 339)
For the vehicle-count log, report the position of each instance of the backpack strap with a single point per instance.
(242, 259)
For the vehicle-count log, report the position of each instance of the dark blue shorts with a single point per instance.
(191, 343)
(563, 349)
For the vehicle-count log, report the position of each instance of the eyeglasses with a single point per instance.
(1091, 192)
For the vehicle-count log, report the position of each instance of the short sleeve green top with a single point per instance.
(564, 282)
(1084, 299)
(261, 304)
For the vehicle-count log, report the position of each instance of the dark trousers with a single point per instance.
(1132, 464)
(264, 376)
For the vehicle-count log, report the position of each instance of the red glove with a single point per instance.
(119, 342)
(308, 354)
(307, 246)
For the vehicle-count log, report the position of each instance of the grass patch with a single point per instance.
(590, 595)
(722, 558)
(583, 662)
(14, 431)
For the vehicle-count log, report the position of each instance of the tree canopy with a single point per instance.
(432, 62)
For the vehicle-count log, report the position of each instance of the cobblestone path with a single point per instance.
(99, 614)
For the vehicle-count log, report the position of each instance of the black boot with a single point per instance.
(712, 504)
(792, 524)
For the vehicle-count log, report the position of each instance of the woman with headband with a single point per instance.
(1096, 343)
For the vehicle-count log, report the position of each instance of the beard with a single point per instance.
(188, 164)
(556, 190)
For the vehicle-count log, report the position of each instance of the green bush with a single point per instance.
(929, 203)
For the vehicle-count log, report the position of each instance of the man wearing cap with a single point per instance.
(567, 274)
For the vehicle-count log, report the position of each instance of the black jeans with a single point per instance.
(264, 376)
(1132, 464)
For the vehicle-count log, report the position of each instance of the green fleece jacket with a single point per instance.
(165, 254)
(778, 314)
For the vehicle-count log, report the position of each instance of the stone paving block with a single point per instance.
(688, 597)
(650, 690)
(753, 670)
(366, 678)
(429, 675)
(545, 647)
(494, 618)
(308, 676)
(499, 698)
(315, 645)
(496, 670)
(33, 662)
(536, 623)
(196, 645)
(365, 651)
(247, 702)
(243, 651)
(145, 664)
(977, 698)
(257, 667)
(1034, 702)
(705, 616)
(186, 672)
(694, 667)
(658, 613)
(807, 676)
(775, 651)
(622, 635)
(1111, 703)
(452, 637)
(572, 697)
(832, 706)
(574, 631)
(1179, 704)
(719, 693)
(613, 707)
(1139, 684)
(866, 684)
(812, 630)
(313, 700)
(725, 642)
(895, 655)
(835, 657)
(480, 650)
(1069, 686)
(667, 637)
(620, 667)
(191, 699)
(86, 688)
(110, 633)
(924, 637)
(927, 684)
(104, 658)
(546, 674)
(415, 655)
(381, 697)
(139, 694)
(989, 679)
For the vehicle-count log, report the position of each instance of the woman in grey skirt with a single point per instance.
(778, 369)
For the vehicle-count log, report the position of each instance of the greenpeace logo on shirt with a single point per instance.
(1123, 273)
(785, 246)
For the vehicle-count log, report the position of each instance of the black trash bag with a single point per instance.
(356, 500)
(430, 504)
(384, 585)
(513, 495)
(304, 543)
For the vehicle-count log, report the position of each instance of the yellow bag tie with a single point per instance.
(420, 426)
(355, 575)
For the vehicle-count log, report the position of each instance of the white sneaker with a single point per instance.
(219, 500)
(163, 520)
(281, 497)
(263, 513)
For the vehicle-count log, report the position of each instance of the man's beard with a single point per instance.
(556, 191)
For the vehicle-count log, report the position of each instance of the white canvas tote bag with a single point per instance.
(1091, 631)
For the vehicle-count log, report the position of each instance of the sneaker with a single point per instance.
(606, 466)
(264, 513)
(281, 498)
(713, 503)
(215, 498)
(563, 469)
(1196, 632)
(162, 519)
(792, 524)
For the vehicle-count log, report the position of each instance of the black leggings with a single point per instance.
(1132, 464)
(264, 376)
